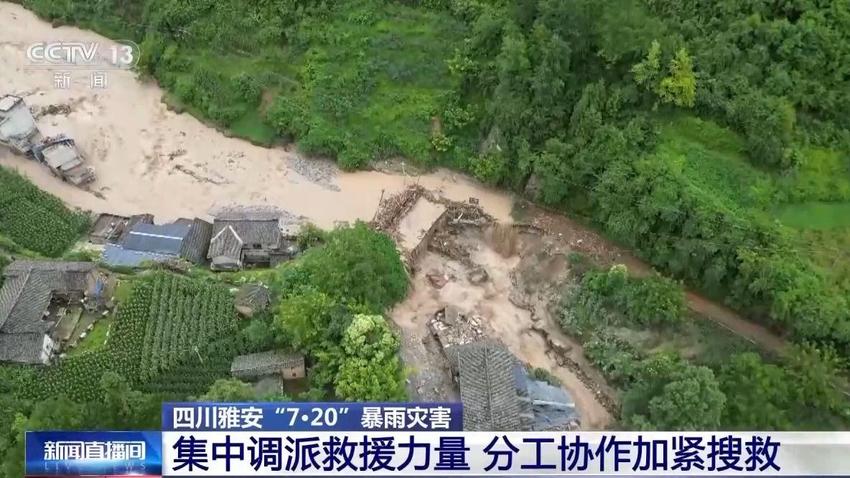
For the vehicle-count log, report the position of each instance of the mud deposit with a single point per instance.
(505, 309)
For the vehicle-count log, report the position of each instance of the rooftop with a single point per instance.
(498, 393)
(489, 387)
(8, 102)
(164, 239)
(25, 296)
(264, 363)
(226, 243)
(263, 232)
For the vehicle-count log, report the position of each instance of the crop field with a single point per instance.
(166, 323)
(34, 219)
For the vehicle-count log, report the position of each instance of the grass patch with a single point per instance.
(95, 339)
(696, 339)
(713, 158)
(123, 290)
(815, 215)
(824, 175)
(369, 83)
(254, 128)
(36, 220)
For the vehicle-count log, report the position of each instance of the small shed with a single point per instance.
(264, 364)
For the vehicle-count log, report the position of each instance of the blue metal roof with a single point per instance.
(115, 255)
(165, 239)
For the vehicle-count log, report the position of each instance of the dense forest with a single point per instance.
(713, 137)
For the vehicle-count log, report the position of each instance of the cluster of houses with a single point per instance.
(46, 305)
(235, 239)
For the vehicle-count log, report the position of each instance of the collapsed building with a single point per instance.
(18, 131)
(419, 220)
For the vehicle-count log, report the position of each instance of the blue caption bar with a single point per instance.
(312, 417)
(93, 453)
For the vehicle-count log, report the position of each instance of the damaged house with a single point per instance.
(243, 238)
(144, 241)
(27, 325)
(498, 394)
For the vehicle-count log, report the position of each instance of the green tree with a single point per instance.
(674, 395)
(357, 265)
(648, 72)
(305, 318)
(370, 370)
(758, 394)
(816, 371)
(229, 390)
(58, 413)
(680, 87)
(124, 408)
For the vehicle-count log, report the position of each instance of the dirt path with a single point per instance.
(731, 320)
(587, 241)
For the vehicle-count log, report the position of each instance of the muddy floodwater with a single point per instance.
(151, 160)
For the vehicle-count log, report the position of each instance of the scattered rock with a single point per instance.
(437, 279)
(478, 276)
(319, 171)
(559, 347)
(245, 311)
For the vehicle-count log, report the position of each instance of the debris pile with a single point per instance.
(393, 208)
(316, 170)
(445, 243)
(452, 327)
(561, 354)
(51, 110)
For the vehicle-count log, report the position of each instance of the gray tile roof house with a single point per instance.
(498, 394)
(29, 288)
(187, 239)
(243, 237)
(265, 364)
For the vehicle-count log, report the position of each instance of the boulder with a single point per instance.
(437, 280)
(478, 276)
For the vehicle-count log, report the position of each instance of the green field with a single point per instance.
(35, 220)
(815, 215)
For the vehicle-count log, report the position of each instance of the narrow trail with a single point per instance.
(732, 321)
(588, 241)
